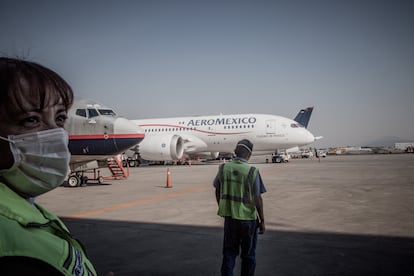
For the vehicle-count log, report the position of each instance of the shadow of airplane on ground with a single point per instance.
(135, 248)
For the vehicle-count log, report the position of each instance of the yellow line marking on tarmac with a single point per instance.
(148, 200)
(137, 202)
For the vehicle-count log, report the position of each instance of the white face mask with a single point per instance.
(41, 161)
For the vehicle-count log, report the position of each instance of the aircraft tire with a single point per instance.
(276, 160)
(73, 181)
(100, 180)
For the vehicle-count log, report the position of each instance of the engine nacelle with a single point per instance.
(162, 148)
(214, 155)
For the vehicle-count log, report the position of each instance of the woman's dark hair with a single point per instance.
(26, 85)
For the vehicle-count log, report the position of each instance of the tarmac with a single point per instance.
(344, 215)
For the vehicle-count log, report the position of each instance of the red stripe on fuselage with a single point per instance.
(106, 136)
(193, 129)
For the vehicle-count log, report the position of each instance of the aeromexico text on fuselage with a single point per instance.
(222, 121)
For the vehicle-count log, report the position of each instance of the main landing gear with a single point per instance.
(79, 179)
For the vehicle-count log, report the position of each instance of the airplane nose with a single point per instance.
(125, 126)
(127, 134)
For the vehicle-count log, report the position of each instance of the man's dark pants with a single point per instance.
(239, 234)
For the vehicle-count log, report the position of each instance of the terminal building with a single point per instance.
(408, 147)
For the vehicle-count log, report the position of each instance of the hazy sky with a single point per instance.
(352, 60)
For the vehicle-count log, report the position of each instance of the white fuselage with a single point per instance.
(203, 134)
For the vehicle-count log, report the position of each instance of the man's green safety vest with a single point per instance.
(236, 190)
(31, 231)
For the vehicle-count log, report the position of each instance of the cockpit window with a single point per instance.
(92, 112)
(81, 112)
(108, 112)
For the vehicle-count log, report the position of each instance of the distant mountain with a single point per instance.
(386, 141)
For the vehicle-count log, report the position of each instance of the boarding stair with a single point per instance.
(117, 170)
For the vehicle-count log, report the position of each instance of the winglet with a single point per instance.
(303, 116)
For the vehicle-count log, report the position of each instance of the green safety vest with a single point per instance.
(31, 231)
(236, 190)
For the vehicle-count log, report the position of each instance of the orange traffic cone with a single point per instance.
(169, 184)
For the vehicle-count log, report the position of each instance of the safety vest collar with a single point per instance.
(19, 209)
(239, 160)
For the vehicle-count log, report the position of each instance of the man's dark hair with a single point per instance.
(244, 149)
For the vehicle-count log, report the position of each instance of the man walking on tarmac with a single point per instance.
(238, 192)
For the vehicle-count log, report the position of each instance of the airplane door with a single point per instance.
(211, 136)
(90, 118)
(270, 127)
(212, 139)
(90, 123)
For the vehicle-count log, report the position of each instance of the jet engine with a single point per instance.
(166, 147)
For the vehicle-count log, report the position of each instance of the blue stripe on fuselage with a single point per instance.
(110, 146)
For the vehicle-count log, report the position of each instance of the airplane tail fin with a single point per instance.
(303, 116)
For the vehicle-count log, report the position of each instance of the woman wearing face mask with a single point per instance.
(34, 159)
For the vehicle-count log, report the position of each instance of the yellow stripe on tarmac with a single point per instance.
(137, 202)
(146, 200)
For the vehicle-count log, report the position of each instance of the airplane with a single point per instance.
(170, 139)
(96, 133)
